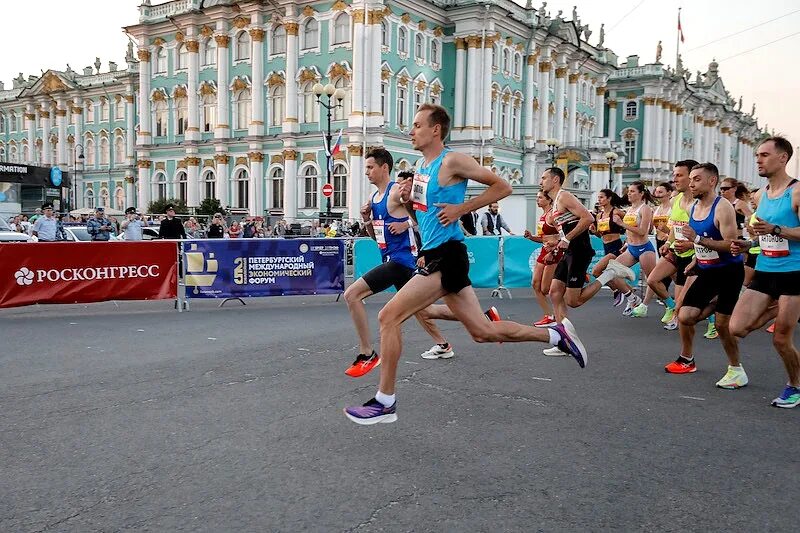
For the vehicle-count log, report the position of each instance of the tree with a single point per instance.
(210, 206)
(160, 206)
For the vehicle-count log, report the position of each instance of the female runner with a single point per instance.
(610, 204)
(544, 264)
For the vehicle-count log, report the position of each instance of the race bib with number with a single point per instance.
(539, 229)
(419, 192)
(380, 237)
(677, 228)
(603, 225)
(773, 246)
(630, 220)
(705, 255)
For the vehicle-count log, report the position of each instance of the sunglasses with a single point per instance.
(726, 188)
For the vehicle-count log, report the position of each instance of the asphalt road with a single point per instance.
(140, 418)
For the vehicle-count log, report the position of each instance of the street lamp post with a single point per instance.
(611, 157)
(552, 146)
(77, 157)
(336, 95)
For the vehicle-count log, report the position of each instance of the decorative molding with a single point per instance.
(339, 6)
(276, 159)
(207, 88)
(61, 112)
(355, 150)
(422, 26)
(158, 96)
(308, 74)
(649, 100)
(256, 157)
(385, 74)
(292, 28)
(461, 44)
(76, 110)
(239, 84)
(473, 41)
(612, 104)
(338, 71)
(241, 161)
(509, 41)
(275, 79)
(310, 157)
(257, 34)
(665, 105)
(179, 37)
(144, 55)
(130, 180)
(340, 156)
(161, 165)
(208, 163)
(222, 159)
(241, 21)
(206, 32)
(726, 130)
(573, 78)
(600, 91)
(520, 47)
(52, 84)
(158, 41)
(438, 31)
(44, 114)
(561, 72)
(290, 155)
(358, 16)
(222, 41)
(375, 16)
(387, 11)
(598, 166)
(545, 66)
(180, 92)
(193, 161)
(405, 18)
(308, 11)
(192, 46)
(182, 164)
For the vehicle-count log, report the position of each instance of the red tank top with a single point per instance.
(545, 228)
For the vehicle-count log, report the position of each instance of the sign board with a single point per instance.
(327, 190)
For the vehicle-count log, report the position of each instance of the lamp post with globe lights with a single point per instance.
(334, 100)
(77, 159)
(611, 157)
(552, 146)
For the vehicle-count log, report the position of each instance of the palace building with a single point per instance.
(217, 101)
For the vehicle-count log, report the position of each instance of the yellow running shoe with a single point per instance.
(734, 378)
(668, 315)
(711, 332)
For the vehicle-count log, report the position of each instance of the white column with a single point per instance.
(572, 105)
(62, 159)
(193, 47)
(355, 181)
(290, 184)
(145, 135)
(223, 128)
(30, 119)
(599, 106)
(144, 184)
(373, 27)
(255, 188)
(458, 113)
(361, 74)
(544, 96)
(193, 180)
(612, 119)
(130, 128)
(291, 116)
(530, 114)
(708, 135)
(650, 122)
(656, 141)
(221, 171)
(257, 90)
(77, 109)
(130, 190)
(698, 137)
(473, 71)
(725, 164)
(561, 85)
(664, 133)
(677, 135)
(46, 127)
(486, 99)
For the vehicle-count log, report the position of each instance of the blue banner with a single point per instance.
(484, 261)
(243, 268)
(516, 261)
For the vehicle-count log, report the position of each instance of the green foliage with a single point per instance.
(158, 207)
(210, 206)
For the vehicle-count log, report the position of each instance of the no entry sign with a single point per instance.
(327, 190)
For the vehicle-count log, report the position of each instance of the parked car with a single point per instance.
(7, 234)
(79, 232)
(148, 234)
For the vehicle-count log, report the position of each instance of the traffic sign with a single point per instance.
(327, 190)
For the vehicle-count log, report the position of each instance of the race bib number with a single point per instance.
(604, 225)
(677, 228)
(630, 220)
(773, 246)
(539, 229)
(419, 192)
(660, 223)
(380, 237)
(705, 255)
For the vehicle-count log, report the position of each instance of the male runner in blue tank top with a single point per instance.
(720, 274)
(777, 274)
(387, 222)
(437, 193)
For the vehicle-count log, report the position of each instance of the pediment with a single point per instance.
(51, 82)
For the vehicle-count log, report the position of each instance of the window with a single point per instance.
(183, 185)
(385, 101)
(401, 106)
(506, 60)
(119, 199)
(435, 52)
(631, 111)
(278, 105)
(310, 34)
(2, 123)
(119, 108)
(2, 153)
(243, 109)
(630, 137)
(241, 188)
(89, 152)
(419, 47)
(12, 154)
(160, 63)
(402, 40)
(12, 122)
(182, 57)
(504, 112)
(435, 97)
(496, 56)
(583, 93)
(339, 186)
(517, 65)
(105, 198)
(384, 33)
(310, 187)
(209, 103)
(278, 40)
(341, 29)
(160, 186)
(243, 46)
(341, 113)
(88, 198)
(209, 52)
(181, 115)
(419, 98)
(89, 111)
(210, 184)
(160, 118)
(119, 150)
(515, 122)
(25, 153)
(104, 152)
(277, 188)
(310, 106)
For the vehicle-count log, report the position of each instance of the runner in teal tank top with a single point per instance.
(436, 198)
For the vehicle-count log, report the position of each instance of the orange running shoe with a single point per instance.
(493, 314)
(771, 328)
(681, 366)
(547, 321)
(363, 364)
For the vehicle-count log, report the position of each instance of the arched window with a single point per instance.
(517, 65)
(630, 137)
(243, 46)
(419, 97)
(339, 186)
(310, 106)
(310, 187)
(89, 111)
(278, 96)
(181, 115)
(402, 40)
(278, 40)
(210, 184)
(435, 52)
(26, 157)
(402, 105)
(2, 153)
(119, 108)
(182, 183)
(12, 122)
(496, 56)
(88, 197)
(182, 57)
(104, 151)
(515, 116)
(241, 188)
(209, 103)
(341, 29)
(385, 100)
(160, 186)
(583, 92)
(310, 34)
(505, 108)
(341, 113)
(631, 111)
(209, 52)
(119, 150)
(2, 123)
(12, 154)
(506, 60)
(384, 33)
(160, 114)
(119, 199)
(89, 148)
(493, 110)
(105, 198)
(160, 63)
(243, 109)
(277, 188)
(419, 47)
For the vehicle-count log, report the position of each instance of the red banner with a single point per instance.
(81, 272)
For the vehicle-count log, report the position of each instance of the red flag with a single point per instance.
(680, 29)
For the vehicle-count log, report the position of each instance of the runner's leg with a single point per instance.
(354, 296)
(541, 297)
(557, 290)
(729, 343)
(753, 310)
(788, 315)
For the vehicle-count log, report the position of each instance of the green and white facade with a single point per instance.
(217, 102)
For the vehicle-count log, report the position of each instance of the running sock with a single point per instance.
(686, 359)
(712, 319)
(444, 346)
(555, 337)
(605, 277)
(669, 302)
(630, 296)
(386, 399)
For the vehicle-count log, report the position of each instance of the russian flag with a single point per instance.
(335, 149)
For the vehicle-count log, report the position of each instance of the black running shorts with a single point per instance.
(680, 264)
(724, 283)
(776, 284)
(452, 261)
(387, 274)
(572, 268)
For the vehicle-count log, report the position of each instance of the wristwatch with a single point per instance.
(776, 230)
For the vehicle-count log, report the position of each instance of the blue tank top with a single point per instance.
(400, 248)
(778, 254)
(706, 257)
(426, 192)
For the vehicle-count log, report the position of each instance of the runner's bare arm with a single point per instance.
(366, 217)
(574, 206)
(462, 166)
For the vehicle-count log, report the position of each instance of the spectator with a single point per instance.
(216, 230)
(61, 233)
(99, 227)
(132, 225)
(259, 232)
(192, 228)
(37, 214)
(16, 224)
(235, 230)
(469, 223)
(269, 231)
(249, 230)
(171, 226)
(492, 222)
(46, 227)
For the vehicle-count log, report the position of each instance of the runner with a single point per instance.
(748, 235)
(637, 223)
(437, 196)
(674, 263)
(388, 223)
(663, 194)
(542, 262)
(610, 232)
(777, 276)
(711, 229)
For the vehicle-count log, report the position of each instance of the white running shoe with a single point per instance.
(437, 352)
(633, 302)
(672, 325)
(620, 270)
(734, 378)
(554, 352)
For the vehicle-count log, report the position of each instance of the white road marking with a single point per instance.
(212, 338)
(693, 398)
(542, 379)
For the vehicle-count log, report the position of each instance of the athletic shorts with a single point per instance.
(751, 260)
(387, 274)
(451, 260)
(572, 268)
(613, 247)
(680, 264)
(724, 283)
(659, 244)
(543, 257)
(636, 250)
(776, 284)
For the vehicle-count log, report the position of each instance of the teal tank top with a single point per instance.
(778, 254)
(426, 192)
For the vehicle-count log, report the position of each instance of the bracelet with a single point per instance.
(565, 240)
(697, 239)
